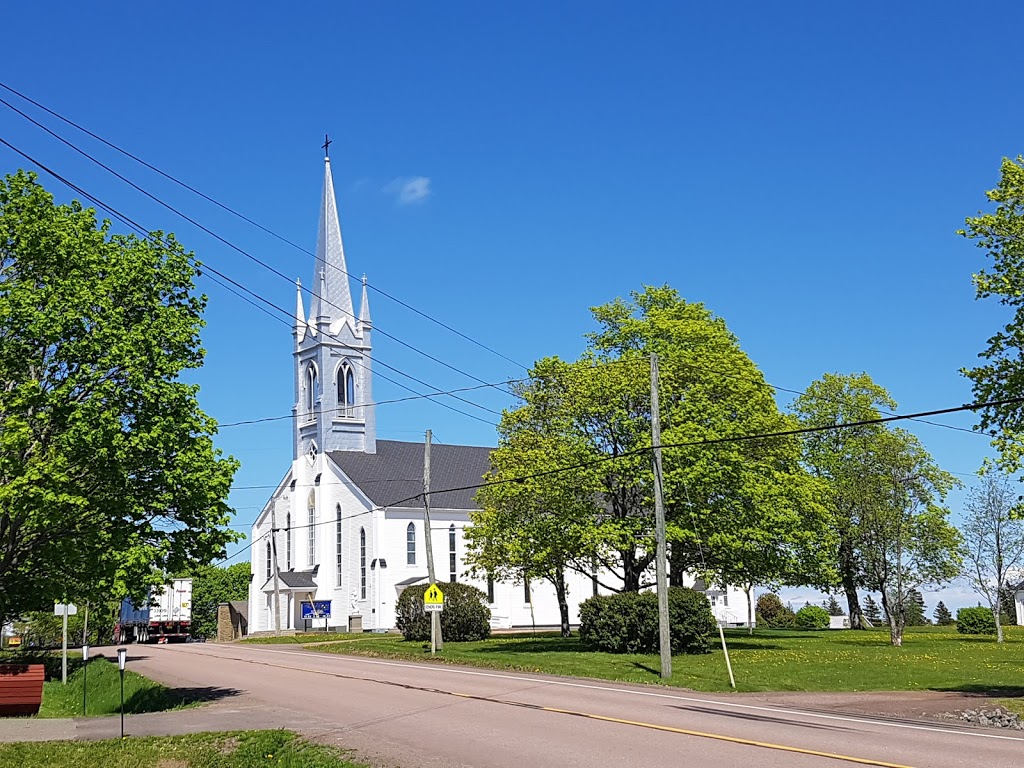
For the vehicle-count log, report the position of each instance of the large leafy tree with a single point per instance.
(906, 539)
(840, 459)
(1001, 235)
(108, 474)
(735, 507)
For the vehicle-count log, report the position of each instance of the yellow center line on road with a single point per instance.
(588, 715)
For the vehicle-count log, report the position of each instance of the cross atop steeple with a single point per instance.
(327, 146)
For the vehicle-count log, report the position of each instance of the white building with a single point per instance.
(348, 514)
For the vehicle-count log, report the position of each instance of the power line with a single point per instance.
(203, 267)
(245, 218)
(685, 444)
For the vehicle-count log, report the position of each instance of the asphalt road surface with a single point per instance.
(410, 715)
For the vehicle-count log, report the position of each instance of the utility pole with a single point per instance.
(277, 580)
(435, 617)
(664, 634)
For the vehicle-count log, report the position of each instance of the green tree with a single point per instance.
(907, 541)
(838, 457)
(916, 609)
(833, 607)
(1001, 235)
(108, 474)
(872, 612)
(772, 614)
(212, 586)
(743, 510)
(943, 618)
(993, 539)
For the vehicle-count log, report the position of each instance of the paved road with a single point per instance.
(411, 715)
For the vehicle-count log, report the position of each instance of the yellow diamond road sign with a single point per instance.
(433, 596)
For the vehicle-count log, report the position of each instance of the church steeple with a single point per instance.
(330, 257)
(333, 364)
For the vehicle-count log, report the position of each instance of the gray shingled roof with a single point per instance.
(295, 579)
(395, 473)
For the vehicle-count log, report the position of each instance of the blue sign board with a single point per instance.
(318, 609)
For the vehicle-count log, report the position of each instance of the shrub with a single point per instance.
(975, 621)
(773, 614)
(465, 615)
(812, 617)
(627, 622)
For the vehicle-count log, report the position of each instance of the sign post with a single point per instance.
(65, 610)
(122, 658)
(433, 602)
(85, 675)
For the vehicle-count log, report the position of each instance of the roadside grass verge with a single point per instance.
(303, 639)
(770, 660)
(104, 695)
(244, 749)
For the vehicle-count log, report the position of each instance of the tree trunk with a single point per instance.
(630, 572)
(563, 603)
(896, 619)
(750, 609)
(997, 615)
(848, 570)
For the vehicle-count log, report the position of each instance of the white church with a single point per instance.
(348, 514)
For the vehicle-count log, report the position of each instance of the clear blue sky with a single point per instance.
(801, 168)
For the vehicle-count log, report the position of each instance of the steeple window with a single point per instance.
(346, 392)
(311, 382)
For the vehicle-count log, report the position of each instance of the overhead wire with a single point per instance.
(203, 268)
(241, 216)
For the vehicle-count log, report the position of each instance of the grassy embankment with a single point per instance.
(278, 749)
(104, 695)
(303, 638)
(935, 658)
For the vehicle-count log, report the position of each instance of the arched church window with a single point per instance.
(311, 507)
(362, 563)
(346, 392)
(268, 559)
(410, 544)
(452, 572)
(311, 389)
(337, 535)
(288, 541)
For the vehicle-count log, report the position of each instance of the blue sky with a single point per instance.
(801, 168)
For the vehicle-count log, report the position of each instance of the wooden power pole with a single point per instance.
(661, 565)
(435, 617)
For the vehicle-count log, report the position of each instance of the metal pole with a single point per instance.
(122, 703)
(64, 647)
(435, 617)
(664, 633)
(85, 675)
(277, 580)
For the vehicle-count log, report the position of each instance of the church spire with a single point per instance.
(330, 254)
(300, 312)
(364, 312)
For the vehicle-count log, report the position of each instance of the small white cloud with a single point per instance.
(409, 190)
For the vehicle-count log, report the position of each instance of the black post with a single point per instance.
(122, 703)
(85, 680)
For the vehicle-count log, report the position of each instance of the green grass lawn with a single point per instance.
(104, 695)
(303, 638)
(935, 658)
(247, 749)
